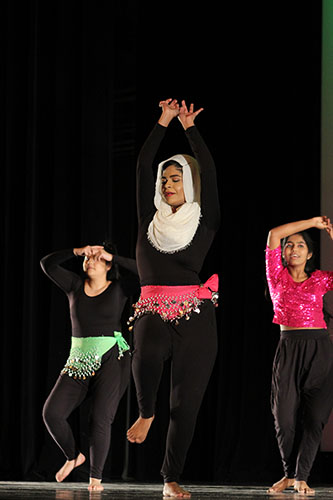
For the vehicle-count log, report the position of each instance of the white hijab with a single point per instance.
(169, 231)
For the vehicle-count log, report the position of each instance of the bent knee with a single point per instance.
(51, 414)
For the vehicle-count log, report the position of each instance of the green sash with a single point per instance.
(86, 353)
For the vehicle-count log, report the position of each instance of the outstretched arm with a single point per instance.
(278, 233)
(187, 115)
(145, 176)
(170, 109)
(210, 206)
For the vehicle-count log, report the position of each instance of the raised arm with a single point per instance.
(126, 263)
(63, 278)
(145, 175)
(52, 266)
(210, 207)
(278, 233)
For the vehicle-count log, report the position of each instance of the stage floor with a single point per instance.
(129, 491)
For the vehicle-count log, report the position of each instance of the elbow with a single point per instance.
(274, 233)
(41, 262)
(273, 239)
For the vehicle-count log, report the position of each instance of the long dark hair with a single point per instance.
(310, 264)
(113, 273)
(168, 163)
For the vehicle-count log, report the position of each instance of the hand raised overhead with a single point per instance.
(187, 115)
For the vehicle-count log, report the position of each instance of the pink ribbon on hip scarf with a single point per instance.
(206, 289)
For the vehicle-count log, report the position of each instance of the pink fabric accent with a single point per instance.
(211, 285)
(203, 291)
(298, 305)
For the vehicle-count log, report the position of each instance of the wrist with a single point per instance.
(164, 121)
(313, 222)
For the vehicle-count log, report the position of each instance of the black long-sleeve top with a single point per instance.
(182, 267)
(90, 316)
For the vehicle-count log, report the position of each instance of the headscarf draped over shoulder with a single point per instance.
(170, 231)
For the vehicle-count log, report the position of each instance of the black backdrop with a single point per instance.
(79, 94)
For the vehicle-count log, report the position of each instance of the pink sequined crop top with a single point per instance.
(296, 304)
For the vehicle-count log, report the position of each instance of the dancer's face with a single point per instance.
(172, 187)
(295, 251)
(95, 267)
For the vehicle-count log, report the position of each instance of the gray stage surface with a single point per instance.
(129, 491)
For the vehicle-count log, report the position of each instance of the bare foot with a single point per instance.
(303, 488)
(174, 490)
(139, 430)
(67, 468)
(95, 484)
(281, 485)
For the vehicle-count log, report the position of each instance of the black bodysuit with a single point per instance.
(183, 267)
(192, 344)
(91, 317)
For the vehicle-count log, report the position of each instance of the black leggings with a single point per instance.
(106, 388)
(192, 347)
(302, 397)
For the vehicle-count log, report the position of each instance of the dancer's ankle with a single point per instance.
(69, 466)
(139, 430)
(172, 489)
(95, 484)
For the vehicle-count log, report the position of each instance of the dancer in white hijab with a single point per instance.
(173, 230)
(174, 317)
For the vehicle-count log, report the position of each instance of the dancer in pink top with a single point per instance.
(302, 380)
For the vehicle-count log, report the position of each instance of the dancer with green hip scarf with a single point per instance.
(99, 362)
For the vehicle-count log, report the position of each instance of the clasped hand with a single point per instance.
(95, 251)
(324, 222)
(171, 109)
